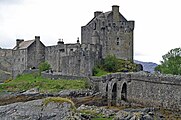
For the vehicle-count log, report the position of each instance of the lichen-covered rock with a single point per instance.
(36, 110)
(137, 114)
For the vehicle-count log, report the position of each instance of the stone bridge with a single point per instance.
(142, 88)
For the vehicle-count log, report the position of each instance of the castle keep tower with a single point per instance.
(113, 32)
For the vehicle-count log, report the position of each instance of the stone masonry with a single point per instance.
(107, 33)
(27, 55)
(146, 89)
(112, 31)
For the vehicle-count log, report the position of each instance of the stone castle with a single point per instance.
(107, 33)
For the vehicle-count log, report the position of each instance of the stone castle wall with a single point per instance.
(113, 32)
(60, 77)
(5, 52)
(146, 89)
(6, 59)
(72, 59)
(5, 64)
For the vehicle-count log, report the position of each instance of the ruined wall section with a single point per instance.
(6, 59)
(5, 64)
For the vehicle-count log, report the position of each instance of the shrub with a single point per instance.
(112, 64)
(43, 66)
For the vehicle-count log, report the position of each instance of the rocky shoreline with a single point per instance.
(37, 110)
(89, 105)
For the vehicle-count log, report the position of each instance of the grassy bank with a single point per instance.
(28, 81)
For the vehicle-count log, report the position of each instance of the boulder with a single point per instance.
(37, 110)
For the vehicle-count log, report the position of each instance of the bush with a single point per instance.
(112, 64)
(43, 66)
(98, 71)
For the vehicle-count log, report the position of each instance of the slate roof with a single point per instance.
(105, 16)
(24, 44)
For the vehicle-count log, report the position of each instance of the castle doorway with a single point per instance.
(114, 94)
(124, 92)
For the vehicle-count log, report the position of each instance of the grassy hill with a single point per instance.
(28, 81)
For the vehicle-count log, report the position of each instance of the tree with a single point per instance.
(171, 63)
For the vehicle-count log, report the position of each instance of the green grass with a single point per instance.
(59, 100)
(99, 72)
(28, 81)
(103, 118)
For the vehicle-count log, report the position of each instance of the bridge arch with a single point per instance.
(114, 93)
(107, 93)
(124, 91)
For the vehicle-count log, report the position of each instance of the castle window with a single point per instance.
(114, 25)
(62, 50)
(103, 24)
(22, 59)
(94, 26)
(117, 41)
(109, 24)
(71, 49)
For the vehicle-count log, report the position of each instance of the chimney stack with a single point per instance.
(18, 41)
(37, 38)
(115, 11)
(97, 13)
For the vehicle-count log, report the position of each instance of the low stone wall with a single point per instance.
(142, 88)
(31, 71)
(63, 77)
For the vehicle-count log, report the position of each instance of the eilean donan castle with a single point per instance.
(107, 33)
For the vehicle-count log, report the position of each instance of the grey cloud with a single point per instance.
(10, 2)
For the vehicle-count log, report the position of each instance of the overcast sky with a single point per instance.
(157, 22)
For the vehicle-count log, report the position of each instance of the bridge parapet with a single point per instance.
(154, 90)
